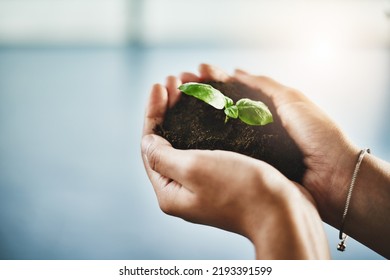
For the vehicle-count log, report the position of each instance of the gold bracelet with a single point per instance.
(342, 236)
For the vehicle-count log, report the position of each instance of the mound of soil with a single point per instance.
(193, 124)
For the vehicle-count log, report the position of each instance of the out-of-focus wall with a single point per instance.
(56, 22)
(278, 23)
(262, 23)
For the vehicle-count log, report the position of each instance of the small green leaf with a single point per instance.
(232, 112)
(228, 102)
(253, 112)
(205, 93)
(249, 111)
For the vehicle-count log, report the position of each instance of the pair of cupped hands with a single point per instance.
(247, 196)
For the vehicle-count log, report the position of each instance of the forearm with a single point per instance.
(368, 216)
(369, 209)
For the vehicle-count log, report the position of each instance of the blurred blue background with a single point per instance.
(74, 78)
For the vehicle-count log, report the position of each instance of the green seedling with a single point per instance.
(249, 111)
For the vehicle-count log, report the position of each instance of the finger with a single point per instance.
(172, 85)
(278, 93)
(209, 72)
(259, 82)
(173, 197)
(156, 108)
(162, 158)
(153, 148)
(187, 77)
(189, 168)
(176, 200)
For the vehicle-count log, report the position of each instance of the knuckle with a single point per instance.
(168, 207)
(154, 157)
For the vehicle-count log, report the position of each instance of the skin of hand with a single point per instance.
(228, 190)
(330, 159)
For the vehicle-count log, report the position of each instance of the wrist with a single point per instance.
(292, 230)
(366, 220)
(330, 191)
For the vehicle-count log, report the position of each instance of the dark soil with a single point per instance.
(193, 124)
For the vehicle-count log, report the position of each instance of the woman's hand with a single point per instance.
(330, 159)
(229, 190)
(329, 156)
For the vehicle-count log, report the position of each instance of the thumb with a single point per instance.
(160, 156)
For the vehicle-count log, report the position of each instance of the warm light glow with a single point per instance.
(322, 50)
